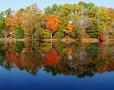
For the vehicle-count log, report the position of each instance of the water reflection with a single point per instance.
(58, 58)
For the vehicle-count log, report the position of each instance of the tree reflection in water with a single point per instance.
(58, 58)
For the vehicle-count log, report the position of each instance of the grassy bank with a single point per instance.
(85, 40)
(11, 39)
(72, 40)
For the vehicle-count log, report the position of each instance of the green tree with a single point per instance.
(54, 10)
(103, 19)
(48, 10)
(46, 34)
(32, 19)
(59, 34)
(3, 16)
(65, 14)
(19, 33)
(94, 32)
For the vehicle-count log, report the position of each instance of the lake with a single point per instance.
(56, 66)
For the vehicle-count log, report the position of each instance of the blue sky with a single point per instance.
(17, 4)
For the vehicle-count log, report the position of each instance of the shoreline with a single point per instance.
(11, 39)
(85, 40)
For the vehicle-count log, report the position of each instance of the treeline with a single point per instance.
(82, 20)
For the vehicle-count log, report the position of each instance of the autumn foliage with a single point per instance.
(61, 58)
(102, 37)
(52, 57)
(52, 23)
(82, 20)
(70, 52)
(14, 20)
(67, 37)
(70, 27)
(111, 13)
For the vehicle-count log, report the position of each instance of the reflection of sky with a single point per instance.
(70, 57)
(21, 80)
(16, 4)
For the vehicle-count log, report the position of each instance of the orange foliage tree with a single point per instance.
(52, 23)
(70, 27)
(12, 58)
(14, 20)
(52, 57)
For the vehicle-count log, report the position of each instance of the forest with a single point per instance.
(68, 21)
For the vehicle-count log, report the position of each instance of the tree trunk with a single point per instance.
(51, 35)
(5, 35)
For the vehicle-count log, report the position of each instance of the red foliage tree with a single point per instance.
(102, 37)
(102, 44)
(52, 57)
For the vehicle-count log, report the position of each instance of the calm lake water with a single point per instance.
(56, 66)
